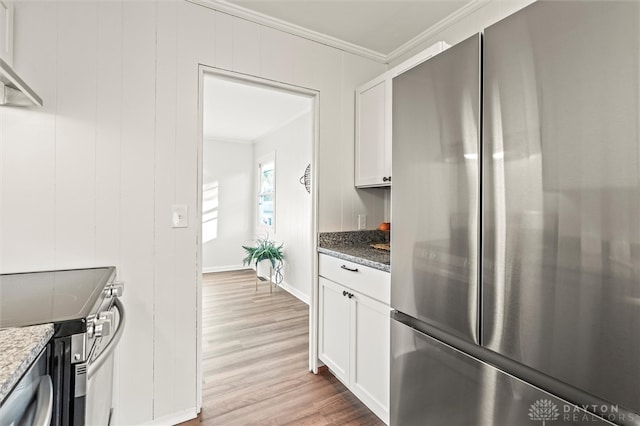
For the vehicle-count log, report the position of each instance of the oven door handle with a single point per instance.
(95, 365)
(44, 402)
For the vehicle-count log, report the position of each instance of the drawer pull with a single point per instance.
(344, 293)
(346, 268)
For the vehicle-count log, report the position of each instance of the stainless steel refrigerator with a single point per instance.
(516, 223)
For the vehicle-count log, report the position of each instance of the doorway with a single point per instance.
(257, 156)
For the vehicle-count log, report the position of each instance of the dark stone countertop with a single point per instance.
(355, 246)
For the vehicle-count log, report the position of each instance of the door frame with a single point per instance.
(313, 303)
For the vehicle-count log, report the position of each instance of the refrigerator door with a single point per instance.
(434, 384)
(561, 194)
(436, 190)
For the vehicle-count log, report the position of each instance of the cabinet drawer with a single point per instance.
(368, 281)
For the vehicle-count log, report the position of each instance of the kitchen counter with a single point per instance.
(355, 246)
(19, 347)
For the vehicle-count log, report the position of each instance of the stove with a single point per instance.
(88, 318)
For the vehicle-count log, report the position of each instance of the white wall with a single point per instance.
(89, 178)
(292, 145)
(454, 32)
(228, 166)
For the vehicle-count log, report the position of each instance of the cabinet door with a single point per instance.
(334, 334)
(373, 133)
(6, 32)
(370, 348)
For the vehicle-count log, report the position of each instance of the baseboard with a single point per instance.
(295, 292)
(175, 418)
(223, 268)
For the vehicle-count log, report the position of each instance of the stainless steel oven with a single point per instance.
(88, 318)
(31, 400)
(98, 380)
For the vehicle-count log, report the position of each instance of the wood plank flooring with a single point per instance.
(255, 360)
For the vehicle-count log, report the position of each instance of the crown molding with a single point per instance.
(222, 139)
(274, 129)
(430, 32)
(280, 126)
(278, 24)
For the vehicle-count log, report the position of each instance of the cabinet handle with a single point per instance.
(346, 268)
(346, 293)
(385, 179)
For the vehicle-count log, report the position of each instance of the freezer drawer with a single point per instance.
(434, 384)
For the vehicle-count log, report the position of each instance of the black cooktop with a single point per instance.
(51, 296)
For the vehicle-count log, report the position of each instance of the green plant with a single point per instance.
(264, 249)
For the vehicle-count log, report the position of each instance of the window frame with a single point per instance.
(262, 161)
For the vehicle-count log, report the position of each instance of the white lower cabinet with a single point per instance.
(334, 328)
(354, 339)
(370, 348)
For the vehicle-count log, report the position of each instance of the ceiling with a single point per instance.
(381, 26)
(242, 112)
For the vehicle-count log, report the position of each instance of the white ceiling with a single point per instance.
(381, 26)
(236, 111)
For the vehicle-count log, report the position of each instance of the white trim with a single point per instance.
(199, 242)
(278, 24)
(295, 292)
(287, 27)
(313, 307)
(269, 157)
(175, 418)
(430, 32)
(313, 311)
(225, 268)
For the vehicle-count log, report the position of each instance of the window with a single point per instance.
(267, 192)
(210, 203)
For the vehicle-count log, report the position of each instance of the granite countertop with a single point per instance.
(19, 347)
(355, 246)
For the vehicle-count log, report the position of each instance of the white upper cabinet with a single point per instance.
(374, 130)
(6, 32)
(373, 133)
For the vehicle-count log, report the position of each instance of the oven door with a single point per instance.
(99, 373)
(31, 401)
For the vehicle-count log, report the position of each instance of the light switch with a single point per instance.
(179, 215)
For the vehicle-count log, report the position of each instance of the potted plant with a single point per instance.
(264, 250)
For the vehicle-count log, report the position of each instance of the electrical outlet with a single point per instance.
(362, 221)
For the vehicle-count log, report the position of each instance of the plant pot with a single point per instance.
(263, 269)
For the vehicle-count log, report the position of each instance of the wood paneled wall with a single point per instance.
(90, 178)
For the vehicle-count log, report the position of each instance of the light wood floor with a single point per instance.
(255, 360)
